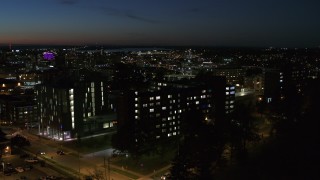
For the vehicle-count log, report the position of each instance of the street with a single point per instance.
(75, 164)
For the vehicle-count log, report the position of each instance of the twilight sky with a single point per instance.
(279, 23)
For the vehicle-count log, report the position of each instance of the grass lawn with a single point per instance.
(124, 173)
(146, 164)
(90, 145)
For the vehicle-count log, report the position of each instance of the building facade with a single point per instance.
(73, 110)
(162, 109)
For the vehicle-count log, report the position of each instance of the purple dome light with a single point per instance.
(48, 56)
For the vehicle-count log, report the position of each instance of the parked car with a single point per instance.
(51, 177)
(60, 152)
(42, 178)
(23, 177)
(7, 172)
(28, 167)
(31, 160)
(19, 169)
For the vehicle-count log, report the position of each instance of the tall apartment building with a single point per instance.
(73, 109)
(162, 108)
(19, 111)
(233, 76)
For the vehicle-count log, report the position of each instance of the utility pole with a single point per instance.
(79, 165)
(105, 169)
(109, 167)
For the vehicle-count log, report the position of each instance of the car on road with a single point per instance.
(41, 152)
(19, 169)
(165, 176)
(117, 153)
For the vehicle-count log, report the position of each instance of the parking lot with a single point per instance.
(25, 166)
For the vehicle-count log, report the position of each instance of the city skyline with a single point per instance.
(182, 23)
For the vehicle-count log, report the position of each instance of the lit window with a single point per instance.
(227, 93)
(136, 99)
(151, 98)
(158, 97)
(136, 105)
(227, 88)
(151, 110)
(136, 117)
(197, 102)
(164, 108)
(136, 111)
(169, 96)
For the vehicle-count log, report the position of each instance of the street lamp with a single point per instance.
(2, 167)
(7, 150)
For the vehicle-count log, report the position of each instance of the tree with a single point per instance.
(2, 136)
(242, 129)
(19, 141)
(200, 149)
(96, 174)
